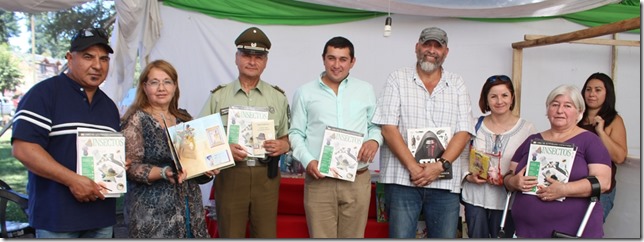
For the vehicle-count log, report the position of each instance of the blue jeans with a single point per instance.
(105, 232)
(404, 205)
(606, 200)
(486, 223)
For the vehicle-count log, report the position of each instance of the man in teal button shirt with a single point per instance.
(334, 208)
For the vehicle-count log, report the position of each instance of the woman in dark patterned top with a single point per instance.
(159, 202)
(602, 119)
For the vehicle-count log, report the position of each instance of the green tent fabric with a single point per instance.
(606, 14)
(291, 12)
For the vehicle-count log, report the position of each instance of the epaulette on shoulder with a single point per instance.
(217, 88)
(279, 89)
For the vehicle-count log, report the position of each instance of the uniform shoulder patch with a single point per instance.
(279, 90)
(217, 88)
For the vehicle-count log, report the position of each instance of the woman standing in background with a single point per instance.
(602, 119)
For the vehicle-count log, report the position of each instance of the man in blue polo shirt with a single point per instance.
(63, 204)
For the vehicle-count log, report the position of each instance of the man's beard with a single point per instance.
(428, 66)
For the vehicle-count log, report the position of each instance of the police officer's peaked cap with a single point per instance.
(254, 41)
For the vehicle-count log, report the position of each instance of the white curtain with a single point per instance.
(37, 6)
(137, 28)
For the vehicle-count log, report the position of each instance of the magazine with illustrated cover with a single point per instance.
(550, 159)
(263, 130)
(200, 145)
(339, 153)
(427, 144)
(101, 157)
(240, 129)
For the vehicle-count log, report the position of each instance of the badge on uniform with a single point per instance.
(223, 111)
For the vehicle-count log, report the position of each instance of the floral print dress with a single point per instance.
(157, 209)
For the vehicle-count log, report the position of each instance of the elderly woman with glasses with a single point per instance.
(160, 202)
(498, 135)
(539, 215)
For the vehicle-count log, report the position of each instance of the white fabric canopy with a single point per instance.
(37, 6)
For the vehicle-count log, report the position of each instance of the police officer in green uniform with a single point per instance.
(249, 190)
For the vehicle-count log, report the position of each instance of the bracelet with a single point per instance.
(163, 172)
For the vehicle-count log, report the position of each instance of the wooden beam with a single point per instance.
(613, 59)
(621, 26)
(517, 73)
(612, 42)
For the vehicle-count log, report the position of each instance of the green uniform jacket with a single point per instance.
(263, 95)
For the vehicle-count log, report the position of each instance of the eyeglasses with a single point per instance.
(502, 78)
(91, 32)
(156, 83)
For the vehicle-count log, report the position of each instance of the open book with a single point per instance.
(200, 145)
(101, 157)
(550, 159)
(339, 153)
(427, 144)
(240, 128)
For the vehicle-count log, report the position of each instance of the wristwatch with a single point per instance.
(446, 164)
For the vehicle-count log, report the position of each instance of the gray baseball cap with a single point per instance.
(433, 33)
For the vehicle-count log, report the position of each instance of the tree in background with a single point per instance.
(10, 74)
(8, 26)
(54, 30)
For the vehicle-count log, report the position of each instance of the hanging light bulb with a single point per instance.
(387, 26)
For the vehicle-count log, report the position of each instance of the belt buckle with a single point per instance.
(251, 162)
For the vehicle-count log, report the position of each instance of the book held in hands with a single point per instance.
(339, 153)
(263, 130)
(550, 159)
(240, 127)
(200, 145)
(486, 166)
(101, 157)
(427, 144)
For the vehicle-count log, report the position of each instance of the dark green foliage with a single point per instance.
(54, 30)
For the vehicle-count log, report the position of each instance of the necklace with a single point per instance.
(163, 119)
(501, 128)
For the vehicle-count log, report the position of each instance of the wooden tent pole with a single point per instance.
(517, 73)
(621, 26)
(613, 59)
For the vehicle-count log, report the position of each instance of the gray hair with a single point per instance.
(572, 92)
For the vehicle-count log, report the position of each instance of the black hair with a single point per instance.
(607, 111)
(339, 42)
